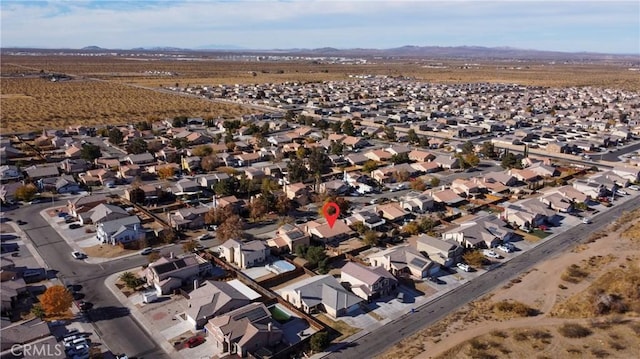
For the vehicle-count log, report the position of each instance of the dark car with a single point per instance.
(21, 222)
(84, 306)
(193, 342)
(75, 225)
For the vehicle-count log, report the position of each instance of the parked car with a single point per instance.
(491, 254)
(84, 305)
(75, 225)
(634, 187)
(62, 214)
(504, 248)
(21, 222)
(193, 342)
(78, 255)
(464, 266)
(202, 237)
(621, 192)
(146, 251)
(586, 220)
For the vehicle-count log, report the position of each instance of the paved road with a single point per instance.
(371, 344)
(116, 327)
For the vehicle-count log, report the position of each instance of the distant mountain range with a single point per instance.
(409, 51)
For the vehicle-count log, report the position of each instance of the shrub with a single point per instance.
(499, 334)
(574, 330)
(515, 308)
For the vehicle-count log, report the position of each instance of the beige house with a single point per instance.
(368, 283)
(244, 254)
(212, 299)
(321, 293)
(289, 237)
(244, 331)
(445, 252)
(167, 274)
(404, 260)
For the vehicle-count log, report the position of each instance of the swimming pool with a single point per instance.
(281, 266)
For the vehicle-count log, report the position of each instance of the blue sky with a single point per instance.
(595, 26)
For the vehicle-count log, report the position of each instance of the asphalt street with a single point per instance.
(120, 332)
(371, 344)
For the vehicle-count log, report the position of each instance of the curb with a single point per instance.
(109, 282)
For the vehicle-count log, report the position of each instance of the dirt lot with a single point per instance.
(107, 89)
(546, 314)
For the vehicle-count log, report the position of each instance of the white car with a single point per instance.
(621, 192)
(634, 187)
(586, 220)
(204, 236)
(464, 266)
(146, 251)
(504, 248)
(491, 254)
(78, 255)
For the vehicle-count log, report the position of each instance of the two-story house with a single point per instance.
(368, 283)
(244, 254)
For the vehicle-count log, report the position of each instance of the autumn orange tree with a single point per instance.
(26, 192)
(166, 172)
(56, 300)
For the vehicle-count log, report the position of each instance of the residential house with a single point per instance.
(73, 166)
(185, 187)
(8, 191)
(467, 187)
(321, 231)
(253, 173)
(404, 260)
(36, 173)
(368, 283)
(356, 159)
(289, 237)
(421, 156)
(84, 204)
(298, 192)
(190, 217)
(129, 172)
(447, 162)
(167, 274)
(378, 155)
(416, 202)
(353, 142)
(334, 187)
(101, 176)
(244, 331)
(480, 232)
(107, 212)
(212, 299)
(321, 293)
(557, 201)
(590, 189)
(444, 252)
(210, 180)
(11, 286)
(532, 179)
(121, 230)
(446, 196)
(190, 164)
(527, 214)
(9, 172)
(226, 201)
(572, 194)
(392, 211)
(367, 216)
(426, 167)
(140, 159)
(244, 254)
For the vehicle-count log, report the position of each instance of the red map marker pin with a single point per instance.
(331, 218)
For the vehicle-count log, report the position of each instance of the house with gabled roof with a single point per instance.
(167, 274)
(244, 254)
(321, 231)
(106, 212)
(190, 217)
(211, 299)
(417, 202)
(556, 201)
(378, 155)
(321, 293)
(445, 252)
(245, 331)
(85, 204)
(140, 159)
(421, 156)
(42, 171)
(404, 261)
(480, 232)
(527, 214)
(121, 230)
(368, 283)
(289, 237)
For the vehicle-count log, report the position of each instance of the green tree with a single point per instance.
(115, 136)
(370, 238)
(318, 161)
(472, 160)
(369, 166)
(314, 255)
(90, 152)
(136, 195)
(347, 127)
(412, 136)
(510, 161)
(26, 192)
(130, 280)
(297, 171)
(222, 188)
(488, 150)
(389, 133)
(202, 151)
(319, 341)
(434, 182)
(359, 227)
(468, 147)
(38, 311)
(400, 158)
(190, 246)
(137, 146)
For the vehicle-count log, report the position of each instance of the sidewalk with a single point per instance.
(110, 282)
